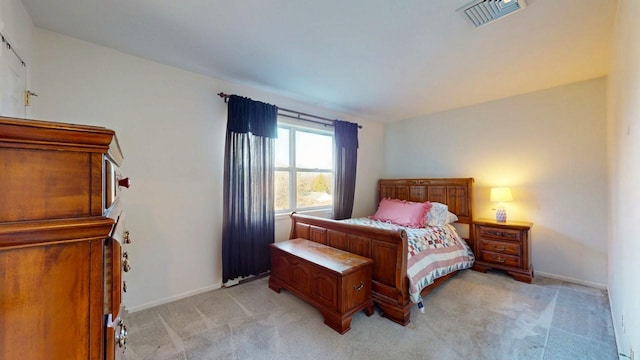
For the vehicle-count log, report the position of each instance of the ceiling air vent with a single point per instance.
(482, 12)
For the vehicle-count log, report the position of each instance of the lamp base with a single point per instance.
(501, 215)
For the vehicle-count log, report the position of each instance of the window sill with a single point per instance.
(325, 213)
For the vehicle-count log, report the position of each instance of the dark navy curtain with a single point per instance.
(248, 212)
(346, 159)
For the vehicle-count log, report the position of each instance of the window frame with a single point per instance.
(293, 170)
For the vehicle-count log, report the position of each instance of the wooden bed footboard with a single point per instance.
(387, 248)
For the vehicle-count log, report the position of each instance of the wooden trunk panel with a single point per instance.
(324, 288)
(300, 276)
(356, 289)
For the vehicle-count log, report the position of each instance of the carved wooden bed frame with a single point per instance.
(388, 248)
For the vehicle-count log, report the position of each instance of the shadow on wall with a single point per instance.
(556, 253)
(148, 263)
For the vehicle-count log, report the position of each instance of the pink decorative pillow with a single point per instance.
(404, 213)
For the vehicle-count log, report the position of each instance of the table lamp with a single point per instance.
(501, 195)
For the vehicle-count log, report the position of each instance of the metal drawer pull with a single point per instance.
(125, 265)
(496, 248)
(124, 286)
(127, 239)
(122, 335)
(499, 259)
(503, 234)
(359, 287)
(125, 262)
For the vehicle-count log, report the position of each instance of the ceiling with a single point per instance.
(377, 59)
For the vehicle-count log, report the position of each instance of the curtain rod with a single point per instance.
(8, 45)
(297, 116)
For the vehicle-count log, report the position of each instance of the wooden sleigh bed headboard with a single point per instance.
(455, 193)
(388, 248)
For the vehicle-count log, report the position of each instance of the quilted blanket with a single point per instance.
(433, 252)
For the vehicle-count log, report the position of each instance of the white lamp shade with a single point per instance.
(501, 194)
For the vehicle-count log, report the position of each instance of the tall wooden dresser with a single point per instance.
(61, 228)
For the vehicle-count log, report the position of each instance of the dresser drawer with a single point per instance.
(500, 247)
(500, 259)
(488, 232)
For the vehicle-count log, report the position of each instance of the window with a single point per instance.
(304, 169)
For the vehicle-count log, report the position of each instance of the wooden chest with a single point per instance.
(336, 282)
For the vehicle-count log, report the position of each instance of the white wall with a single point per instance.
(17, 27)
(171, 126)
(548, 146)
(624, 177)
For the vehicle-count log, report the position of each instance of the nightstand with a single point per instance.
(503, 246)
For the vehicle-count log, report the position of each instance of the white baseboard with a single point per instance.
(572, 280)
(615, 329)
(169, 299)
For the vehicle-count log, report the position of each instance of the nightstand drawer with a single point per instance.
(498, 233)
(501, 259)
(500, 247)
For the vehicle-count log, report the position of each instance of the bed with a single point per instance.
(388, 247)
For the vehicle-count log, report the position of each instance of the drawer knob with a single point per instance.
(124, 182)
(501, 248)
(499, 259)
(126, 237)
(358, 288)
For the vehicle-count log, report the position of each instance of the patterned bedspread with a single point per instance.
(433, 252)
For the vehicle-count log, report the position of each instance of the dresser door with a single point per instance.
(47, 301)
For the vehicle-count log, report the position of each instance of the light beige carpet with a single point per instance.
(471, 316)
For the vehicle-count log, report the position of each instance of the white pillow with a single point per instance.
(439, 215)
(451, 217)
